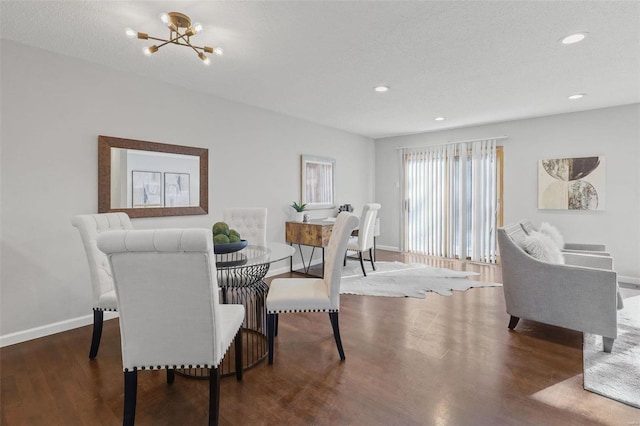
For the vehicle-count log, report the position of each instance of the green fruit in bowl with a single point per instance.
(220, 239)
(234, 236)
(220, 228)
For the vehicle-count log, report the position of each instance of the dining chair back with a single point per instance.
(251, 223)
(170, 317)
(102, 293)
(364, 240)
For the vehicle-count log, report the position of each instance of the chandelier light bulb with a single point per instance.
(218, 51)
(150, 50)
(130, 33)
(165, 18)
(197, 27)
(204, 58)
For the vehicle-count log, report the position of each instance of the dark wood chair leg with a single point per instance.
(238, 349)
(371, 258)
(259, 309)
(98, 317)
(607, 343)
(271, 325)
(275, 333)
(214, 396)
(171, 375)
(513, 322)
(130, 391)
(345, 259)
(362, 265)
(333, 316)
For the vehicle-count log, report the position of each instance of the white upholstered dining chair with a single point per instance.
(166, 286)
(251, 223)
(103, 295)
(313, 294)
(364, 240)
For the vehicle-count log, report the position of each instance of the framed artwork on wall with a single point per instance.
(318, 182)
(147, 189)
(176, 189)
(572, 183)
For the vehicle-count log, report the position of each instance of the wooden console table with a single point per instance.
(315, 233)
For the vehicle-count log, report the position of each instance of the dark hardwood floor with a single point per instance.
(438, 361)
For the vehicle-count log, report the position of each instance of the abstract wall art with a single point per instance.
(572, 183)
(176, 189)
(318, 182)
(147, 189)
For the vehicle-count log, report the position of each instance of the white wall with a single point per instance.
(612, 132)
(54, 108)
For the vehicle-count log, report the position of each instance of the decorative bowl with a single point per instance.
(229, 247)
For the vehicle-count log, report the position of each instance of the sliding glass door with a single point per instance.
(452, 200)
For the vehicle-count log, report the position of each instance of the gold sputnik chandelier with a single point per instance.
(180, 32)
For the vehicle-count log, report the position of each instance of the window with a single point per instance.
(453, 200)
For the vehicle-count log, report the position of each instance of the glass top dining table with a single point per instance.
(253, 257)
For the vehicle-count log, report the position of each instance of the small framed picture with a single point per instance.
(318, 182)
(176, 189)
(146, 189)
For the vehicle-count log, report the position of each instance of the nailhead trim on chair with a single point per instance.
(166, 367)
(302, 310)
(106, 309)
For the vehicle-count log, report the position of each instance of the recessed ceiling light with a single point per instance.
(573, 38)
(381, 89)
(439, 118)
(577, 96)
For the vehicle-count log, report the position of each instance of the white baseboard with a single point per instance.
(70, 324)
(286, 269)
(629, 280)
(388, 248)
(49, 329)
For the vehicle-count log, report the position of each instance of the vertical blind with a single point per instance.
(450, 198)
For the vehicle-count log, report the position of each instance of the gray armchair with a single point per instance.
(580, 294)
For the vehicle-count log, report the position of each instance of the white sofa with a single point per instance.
(581, 294)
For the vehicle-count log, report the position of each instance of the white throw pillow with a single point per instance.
(542, 247)
(553, 233)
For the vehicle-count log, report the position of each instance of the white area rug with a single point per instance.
(616, 375)
(395, 279)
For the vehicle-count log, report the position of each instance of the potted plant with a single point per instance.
(299, 211)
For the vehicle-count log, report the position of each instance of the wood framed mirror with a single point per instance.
(150, 179)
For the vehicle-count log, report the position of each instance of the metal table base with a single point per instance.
(241, 285)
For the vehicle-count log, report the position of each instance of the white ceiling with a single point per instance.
(471, 61)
